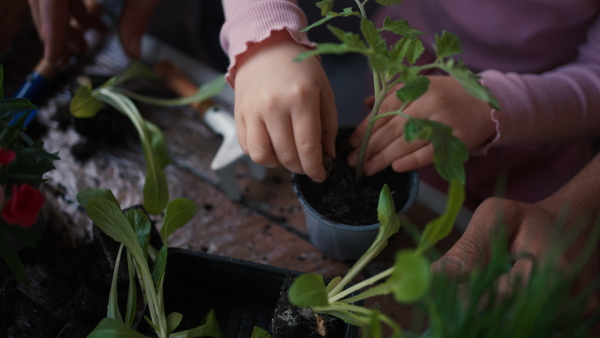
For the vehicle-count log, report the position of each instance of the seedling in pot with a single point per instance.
(88, 102)
(397, 64)
(132, 229)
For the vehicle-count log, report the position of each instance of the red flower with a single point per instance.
(23, 206)
(6, 156)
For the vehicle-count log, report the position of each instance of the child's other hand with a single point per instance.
(447, 102)
(284, 110)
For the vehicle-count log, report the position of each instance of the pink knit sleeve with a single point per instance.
(248, 22)
(559, 105)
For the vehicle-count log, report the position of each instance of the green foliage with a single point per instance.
(88, 102)
(131, 228)
(258, 332)
(308, 290)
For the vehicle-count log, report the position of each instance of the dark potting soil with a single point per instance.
(341, 200)
(291, 321)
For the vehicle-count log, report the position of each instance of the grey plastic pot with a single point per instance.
(341, 241)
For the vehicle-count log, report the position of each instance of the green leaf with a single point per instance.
(173, 321)
(14, 105)
(345, 13)
(156, 192)
(34, 153)
(413, 90)
(447, 44)
(142, 226)
(85, 196)
(179, 212)
(158, 145)
(131, 307)
(440, 227)
(411, 278)
(206, 91)
(109, 327)
(326, 6)
(160, 265)
(450, 153)
(400, 27)
(308, 290)
(414, 48)
(208, 328)
(83, 104)
(134, 70)
(470, 82)
(13, 260)
(258, 332)
(350, 39)
(374, 325)
(379, 57)
(113, 303)
(108, 216)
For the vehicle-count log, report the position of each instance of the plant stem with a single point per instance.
(379, 96)
(362, 284)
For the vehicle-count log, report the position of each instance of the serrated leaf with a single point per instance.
(326, 6)
(450, 153)
(470, 82)
(350, 39)
(308, 290)
(379, 55)
(413, 50)
(83, 104)
(179, 212)
(447, 44)
(411, 278)
(400, 27)
(109, 327)
(345, 13)
(413, 90)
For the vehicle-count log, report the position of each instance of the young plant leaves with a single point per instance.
(440, 227)
(113, 303)
(160, 265)
(411, 278)
(346, 12)
(158, 145)
(15, 105)
(449, 152)
(173, 321)
(179, 212)
(326, 6)
(379, 56)
(131, 306)
(308, 290)
(109, 327)
(142, 226)
(258, 332)
(400, 27)
(447, 44)
(83, 104)
(413, 90)
(470, 82)
(208, 328)
(85, 196)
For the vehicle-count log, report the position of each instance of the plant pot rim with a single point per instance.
(414, 179)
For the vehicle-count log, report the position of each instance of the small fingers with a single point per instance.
(307, 136)
(416, 159)
(259, 145)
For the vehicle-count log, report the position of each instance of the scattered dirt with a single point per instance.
(341, 200)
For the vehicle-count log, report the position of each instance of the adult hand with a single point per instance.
(532, 229)
(61, 25)
(12, 16)
(447, 102)
(285, 111)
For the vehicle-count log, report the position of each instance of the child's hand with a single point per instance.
(285, 111)
(447, 102)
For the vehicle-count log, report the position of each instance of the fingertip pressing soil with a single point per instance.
(341, 200)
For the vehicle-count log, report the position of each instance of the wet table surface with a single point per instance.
(267, 226)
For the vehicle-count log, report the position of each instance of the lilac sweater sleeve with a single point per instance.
(248, 22)
(560, 104)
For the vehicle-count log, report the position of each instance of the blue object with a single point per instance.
(32, 89)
